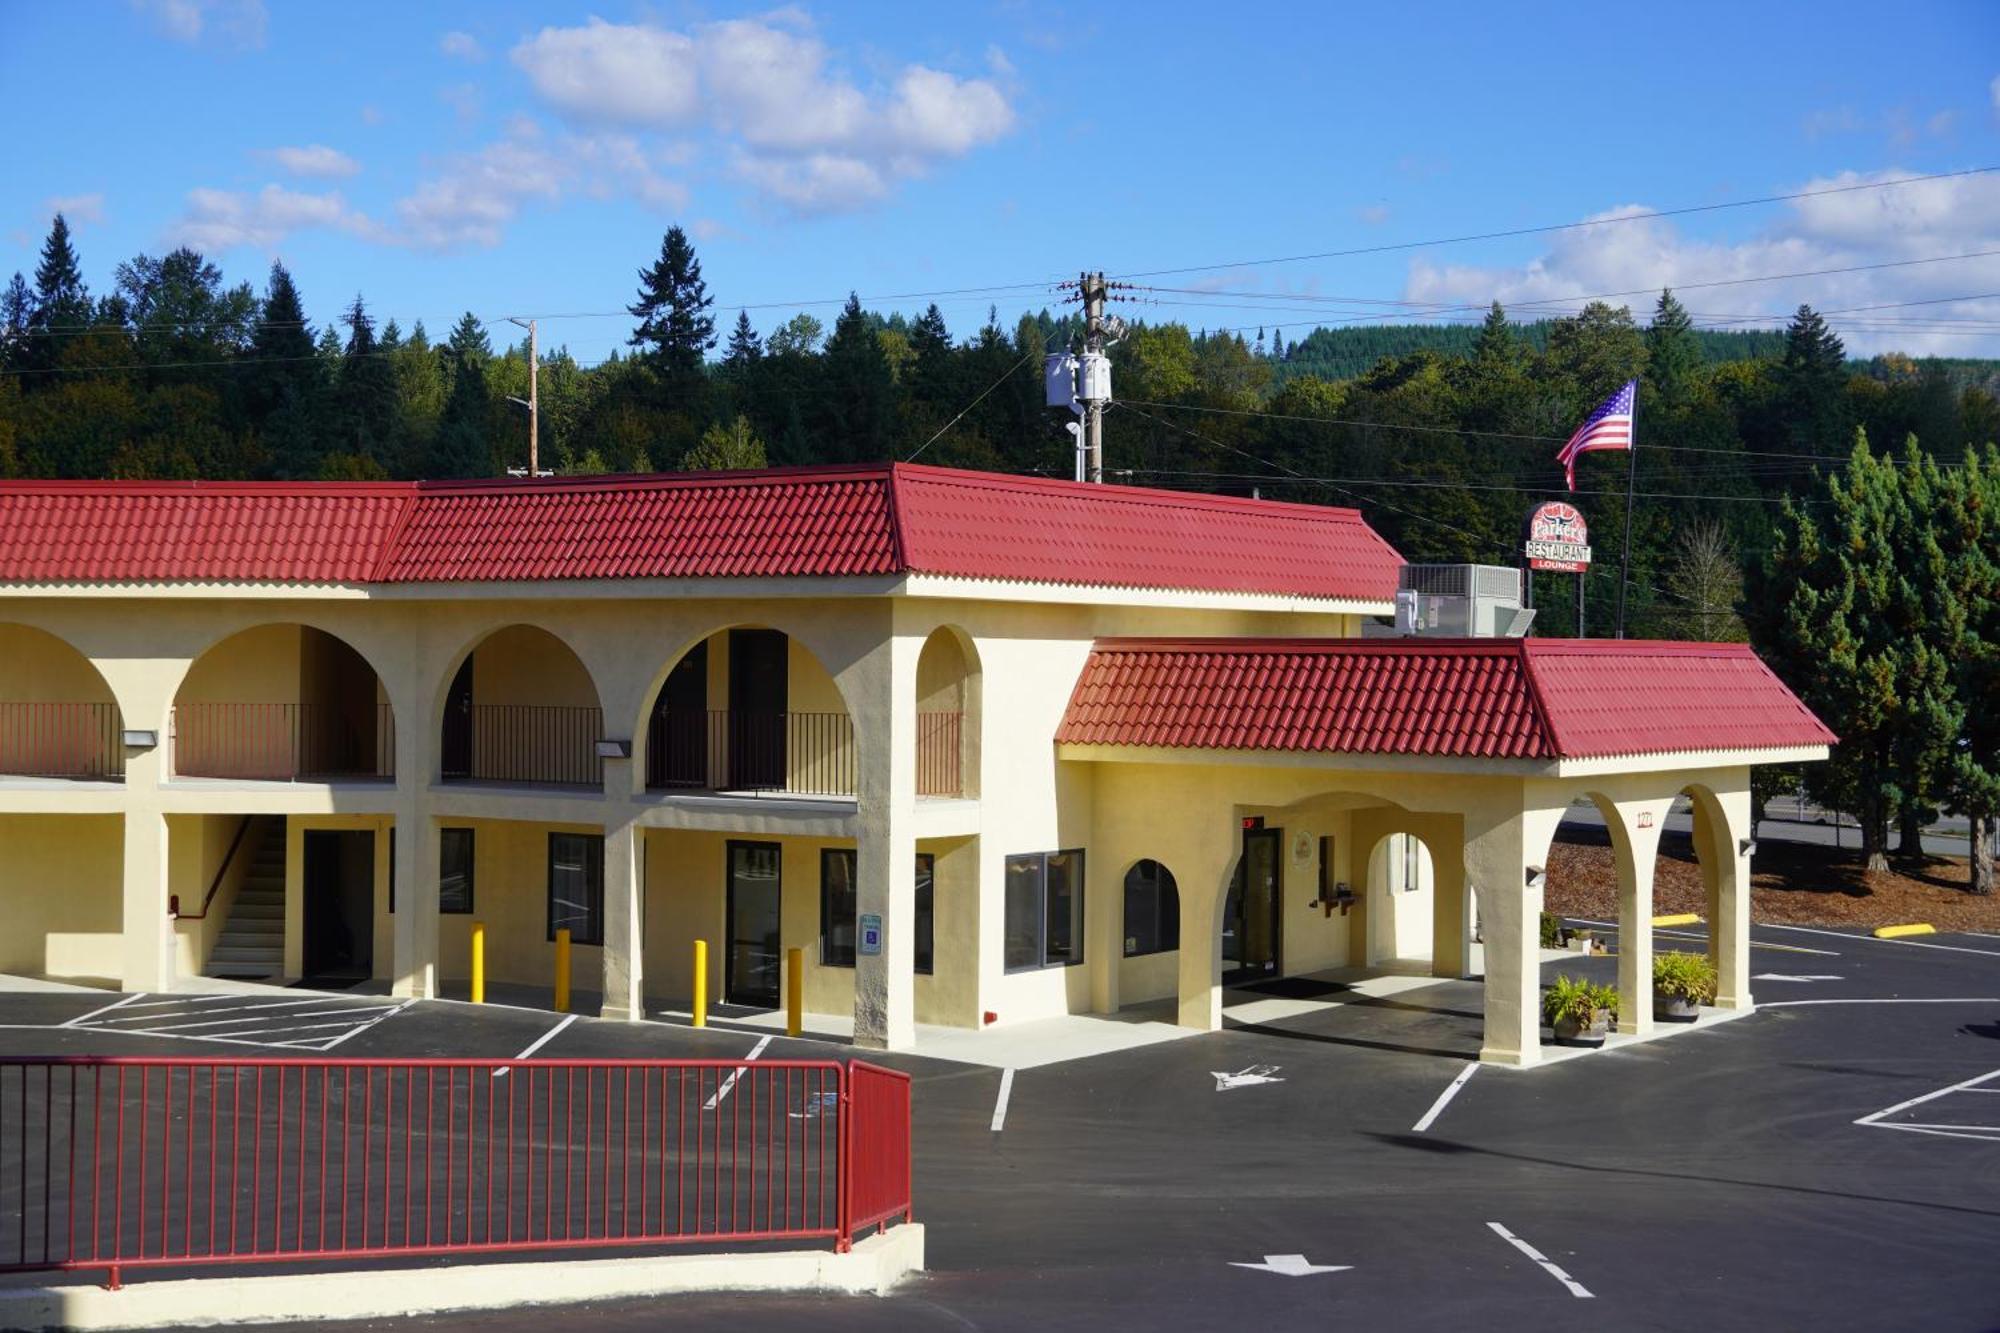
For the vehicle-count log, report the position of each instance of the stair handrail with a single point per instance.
(174, 901)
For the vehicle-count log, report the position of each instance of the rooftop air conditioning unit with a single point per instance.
(1457, 602)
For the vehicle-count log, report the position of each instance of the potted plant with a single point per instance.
(1555, 935)
(1579, 1012)
(1682, 983)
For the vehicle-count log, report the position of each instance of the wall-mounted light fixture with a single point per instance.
(1746, 846)
(1538, 878)
(609, 749)
(141, 740)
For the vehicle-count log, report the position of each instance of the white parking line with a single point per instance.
(1702, 935)
(1000, 1105)
(1576, 1288)
(1915, 944)
(729, 1084)
(538, 1043)
(1912, 999)
(1471, 1068)
(103, 1010)
(1877, 1118)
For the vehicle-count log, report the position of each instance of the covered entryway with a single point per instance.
(753, 961)
(1475, 748)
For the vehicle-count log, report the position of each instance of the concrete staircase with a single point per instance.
(252, 943)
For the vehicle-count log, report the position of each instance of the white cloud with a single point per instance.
(241, 22)
(461, 46)
(464, 100)
(218, 220)
(1373, 214)
(79, 210)
(316, 160)
(800, 130)
(1847, 230)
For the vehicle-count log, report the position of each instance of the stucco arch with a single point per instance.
(1170, 909)
(441, 683)
(532, 711)
(950, 684)
(285, 692)
(59, 716)
(1402, 899)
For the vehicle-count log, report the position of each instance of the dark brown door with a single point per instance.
(1252, 932)
(757, 661)
(677, 750)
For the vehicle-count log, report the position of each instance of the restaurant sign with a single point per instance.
(1557, 538)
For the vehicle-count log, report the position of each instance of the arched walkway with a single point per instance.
(749, 708)
(282, 702)
(58, 718)
(521, 708)
(1402, 897)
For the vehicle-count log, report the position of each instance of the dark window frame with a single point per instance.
(447, 836)
(926, 869)
(1080, 917)
(1166, 925)
(593, 876)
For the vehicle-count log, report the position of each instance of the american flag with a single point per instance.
(1609, 427)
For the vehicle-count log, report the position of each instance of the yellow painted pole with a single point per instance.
(698, 1014)
(562, 970)
(479, 962)
(795, 992)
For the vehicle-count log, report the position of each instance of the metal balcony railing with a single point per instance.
(283, 742)
(61, 740)
(536, 744)
(801, 754)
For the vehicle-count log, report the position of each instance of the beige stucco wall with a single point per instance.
(197, 846)
(37, 667)
(60, 878)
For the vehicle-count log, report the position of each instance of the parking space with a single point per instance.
(1745, 1176)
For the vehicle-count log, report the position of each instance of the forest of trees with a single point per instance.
(1444, 438)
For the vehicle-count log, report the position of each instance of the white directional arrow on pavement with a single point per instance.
(1245, 1077)
(1786, 976)
(1291, 1265)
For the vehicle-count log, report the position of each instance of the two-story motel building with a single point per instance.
(1073, 747)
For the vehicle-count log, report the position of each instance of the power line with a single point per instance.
(1009, 374)
(1560, 226)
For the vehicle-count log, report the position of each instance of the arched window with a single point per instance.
(1152, 910)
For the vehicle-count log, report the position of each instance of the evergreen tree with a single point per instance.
(282, 387)
(365, 397)
(62, 302)
(468, 341)
(1969, 540)
(1497, 346)
(1812, 385)
(17, 306)
(745, 347)
(857, 412)
(726, 448)
(675, 327)
(464, 447)
(1673, 356)
(930, 345)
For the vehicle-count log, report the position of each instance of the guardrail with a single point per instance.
(539, 744)
(61, 740)
(114, 1163)
(800, 754)
(283, 742)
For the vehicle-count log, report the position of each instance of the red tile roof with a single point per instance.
(785, 522)
(1469, 698)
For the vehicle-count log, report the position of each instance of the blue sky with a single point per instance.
(514, 158)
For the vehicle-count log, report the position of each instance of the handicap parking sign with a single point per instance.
(871, 933)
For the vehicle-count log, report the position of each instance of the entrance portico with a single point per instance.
(1475, 748)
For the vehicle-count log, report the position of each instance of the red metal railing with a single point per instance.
(546, 745)
(283, 742)
(113, 1163)
(877, 1157)
(59, 740)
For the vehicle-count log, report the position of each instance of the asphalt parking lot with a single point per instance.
(1830, 1161)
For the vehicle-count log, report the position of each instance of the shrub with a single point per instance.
(1579, 1000)
(1685, 976)
(1552, 931)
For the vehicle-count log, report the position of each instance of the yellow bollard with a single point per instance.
(479, 962)
(795, 992)
(562, 970)
(699, 1014)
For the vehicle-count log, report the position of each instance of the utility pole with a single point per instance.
(533, 403)
(1091, 285)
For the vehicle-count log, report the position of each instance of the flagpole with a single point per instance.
(1631, 481)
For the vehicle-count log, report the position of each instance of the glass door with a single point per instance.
(753, 963)
(1251, 936)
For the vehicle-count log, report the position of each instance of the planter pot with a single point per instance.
(1569, 1032)
(1675, 1008)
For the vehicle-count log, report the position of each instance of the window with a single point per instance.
(576, 886)
(1152, 910)
(1044, 910)
(839, 905)
(455, 871)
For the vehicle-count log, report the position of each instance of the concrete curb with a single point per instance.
(1898, 932)
(874, 1266)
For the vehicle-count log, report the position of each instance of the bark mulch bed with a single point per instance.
(1792, 883)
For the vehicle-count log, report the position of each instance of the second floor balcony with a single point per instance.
(61, 740)
(792, 754)
(284, 742)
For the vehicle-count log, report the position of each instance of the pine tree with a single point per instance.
(1673, 356)
(62, 302)
(1812, 384)
(675, 327)
(1969, 539)
(726, 448)
(930, 344)
(468, 341)
(363, 416)
(1497, 346)
(17, 306)
(282, 388)
(463, 448)
(858, 407)
(745, 347)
